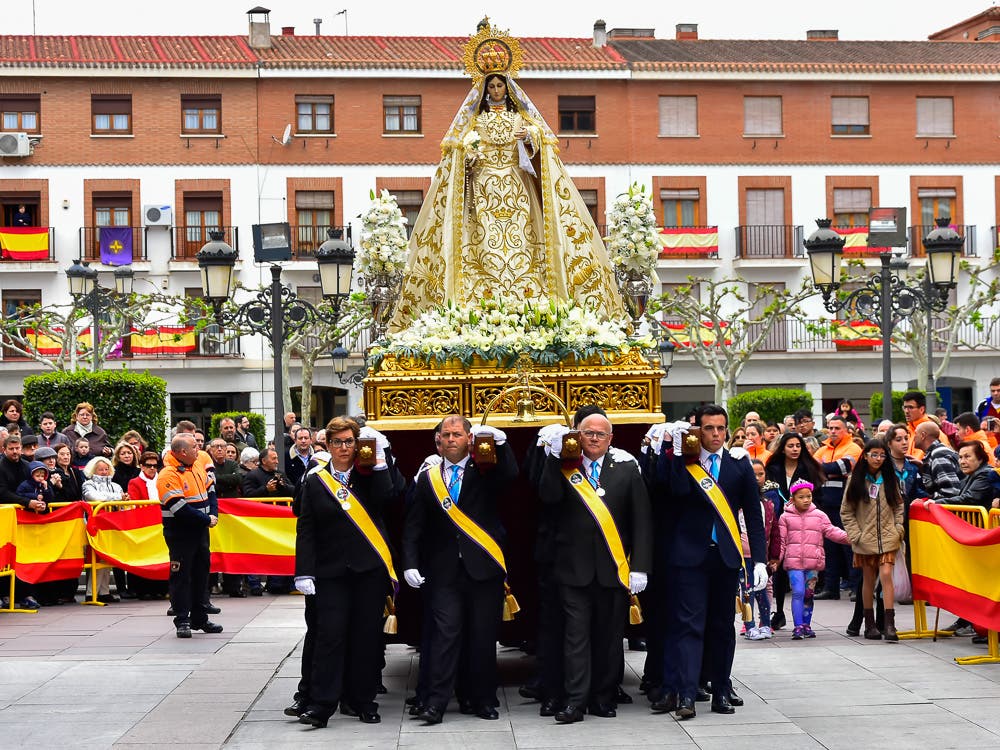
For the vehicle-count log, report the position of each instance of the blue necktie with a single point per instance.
(714, 471)
(455, 486)
(595, 473)
(341, 477)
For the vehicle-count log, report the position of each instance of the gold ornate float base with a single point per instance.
(406, 394)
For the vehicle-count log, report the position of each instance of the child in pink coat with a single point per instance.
(803, 528)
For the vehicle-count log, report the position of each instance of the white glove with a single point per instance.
(677, 432)
(545, 434)
(499, 436)
(621, 456)
(413, 578)
(381, 441)
(738, 453)
(432, 460)
(759, 577)
(305, 585)
(637, 582)
(556, 439)
(656, 434)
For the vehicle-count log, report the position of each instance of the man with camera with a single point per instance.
(267, 481)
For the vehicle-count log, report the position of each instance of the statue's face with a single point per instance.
(497, 89)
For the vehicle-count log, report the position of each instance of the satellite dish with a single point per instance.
(286, 137)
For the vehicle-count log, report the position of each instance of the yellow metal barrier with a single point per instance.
(971, 514)
(994, 520)
(93, 566)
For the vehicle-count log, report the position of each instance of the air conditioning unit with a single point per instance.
(158, 216)
(15, 144)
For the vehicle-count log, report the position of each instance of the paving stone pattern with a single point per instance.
(117, 677)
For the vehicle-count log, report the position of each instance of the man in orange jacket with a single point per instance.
(836, 456)
(969, 430)
(915, 412)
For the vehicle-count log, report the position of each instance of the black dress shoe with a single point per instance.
(980, 639)
(369, 717)
(734, 698)
(313, 718)
(665, 705)
(237, 594)
(415, 709)
(256, 592)
(430, 715)
(685, 709)
(212, 609)
(170, 611)
(621, 697)
(467, 708)
(569, 715)
(108, 598)
(487, 712)
(827, 594)
(636, 644)
(411, 701)
(703, 696)
(296, 709)
(347, 710)
(530, 692)
(208, 627)
(549, 707)
(183, 630)
(777, 621)
(722, 706)
(127, 595)
(602, 710)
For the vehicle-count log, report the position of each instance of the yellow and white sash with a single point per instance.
(721, 506)
(473, 531)
(596, 507)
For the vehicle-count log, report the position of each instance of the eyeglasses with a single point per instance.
(150, 466)
(338, 443)
(594, 435)
(909, 408)
(877, 456)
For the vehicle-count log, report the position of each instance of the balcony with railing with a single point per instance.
(22, 244)
(158, 342)
(769, 241)
(185, 242)
(90, 242)
(916, 234)
(307, 238)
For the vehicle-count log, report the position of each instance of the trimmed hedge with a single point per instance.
(875, 404)
(773, 404)
(124, 400)
(258, 428)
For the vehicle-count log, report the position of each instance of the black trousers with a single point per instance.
(593, 652)
(190, 560)
(346, 660)
(654, 669)
(464, 612)
(308, 646)
(699, 620)
(551, 627)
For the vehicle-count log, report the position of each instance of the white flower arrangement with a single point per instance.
(547, 330)
(633, 242)
(383, 238)
(472, 143)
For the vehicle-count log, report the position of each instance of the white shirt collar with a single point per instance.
(461, 464)
(704, 457)
(599, 461)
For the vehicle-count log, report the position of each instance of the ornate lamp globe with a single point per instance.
(339, 355)
(944, 250)
(82, 278)
(665, 350)
(216, 260)
(826, 252)
(124, 280)
(335, 259)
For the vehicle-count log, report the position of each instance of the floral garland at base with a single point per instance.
(548, 331)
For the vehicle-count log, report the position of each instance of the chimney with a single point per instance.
(260, 28)
(288, 31)
(686, 31)
(318, 22)
(822, 35)
(600, 33)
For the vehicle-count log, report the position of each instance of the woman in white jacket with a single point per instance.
(99, 488)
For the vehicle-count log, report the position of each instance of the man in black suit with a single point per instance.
(465, 584)
(701, 559)
(592, 585)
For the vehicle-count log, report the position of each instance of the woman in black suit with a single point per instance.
(335, 562)
(790, 462)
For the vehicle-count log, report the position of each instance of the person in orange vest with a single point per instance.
(969, 430)
(754, 443)
(836, 457)
(915, 412)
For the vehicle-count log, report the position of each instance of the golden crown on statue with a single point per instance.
(491, 50)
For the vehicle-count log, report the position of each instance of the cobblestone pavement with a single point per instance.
(75, 676)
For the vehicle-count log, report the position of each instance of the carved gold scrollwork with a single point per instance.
(613, 396)
(410, 401)
(482, 397)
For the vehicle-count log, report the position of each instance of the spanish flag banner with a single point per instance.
(25, 243)
(955, 564)
(860, 333)
(50, 547)
(689, 240)
(706, 335)
(253, 538)
(163, 340)
(8, 533)
(131, 539)
(856, 241)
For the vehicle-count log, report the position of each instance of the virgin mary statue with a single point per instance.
(502, 218)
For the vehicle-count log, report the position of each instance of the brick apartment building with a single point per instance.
(753, 140)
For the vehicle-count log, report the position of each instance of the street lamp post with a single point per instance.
(97, 300)
(885, 295)
(276, 310)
